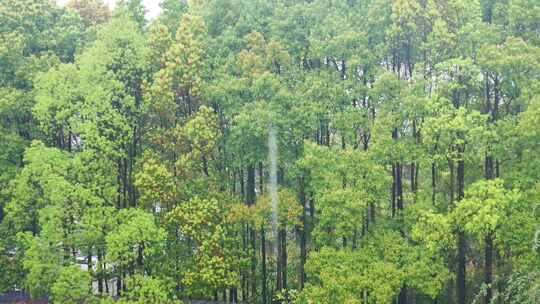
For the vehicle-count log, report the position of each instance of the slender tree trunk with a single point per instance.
(140, 262)
(243, 273)
(412, 177)
(89, 262)
(490, 173)
(327, 129)
(461, 271)
(311, 207)
(234, 295)
(433, 182)
(104, 274)
(99, 272)
(488, 167)
(452, 181)
(119, 182)
(303, 251)
(119, 286)
(242, 185)
(393, 194)
(125, 183)
(70, 135)
(402, 297)
(488, 271)
(263, 266)
(205, 166)
(250, 199)
(461, 274)
(461, 179)
(355, 234)
(284, 257)
(414, 165)
(245, 238)
(132, 153)
(399, 187)
(261, 178)
(253, 263)
(250, 195)
(233, 182)
(279, 281)
(372, 215)
(488, 241)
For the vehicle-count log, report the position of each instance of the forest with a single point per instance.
(270, 151)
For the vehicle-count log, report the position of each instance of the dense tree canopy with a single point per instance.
(288, 151)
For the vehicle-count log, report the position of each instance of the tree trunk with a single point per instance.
(234, 295)
(119, 182)
(243, 272)
(433, 182)
(399, 187)
(461, 271)
(99, 272)
(119, 286)
(263, 265)
(253, 263)
(250, 200)
(250, 195)
(303, 251)
(393, 194)
(89, 262)
(452, 185)
(242, 185)
(412, 177)
(284, 257)
(402, 297)
(125, 183)
(488, 271)
(490, 173)
(261, 178)
(461, 274)
(140, 261)
(488, 167)
(279, 281)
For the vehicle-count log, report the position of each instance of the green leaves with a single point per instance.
(58, 99)
(288, 210)
(201, 222)
(485, 207)
(42, 266)
(522, 288)
(142, 147)
(135, 241)
(434, 231)
(176, 86)
(111, 76)
(375, 272)
(72, 286)
(156, 185)
(150, 290)
(345, 183)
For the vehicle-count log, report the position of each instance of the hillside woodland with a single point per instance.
(282, 151)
